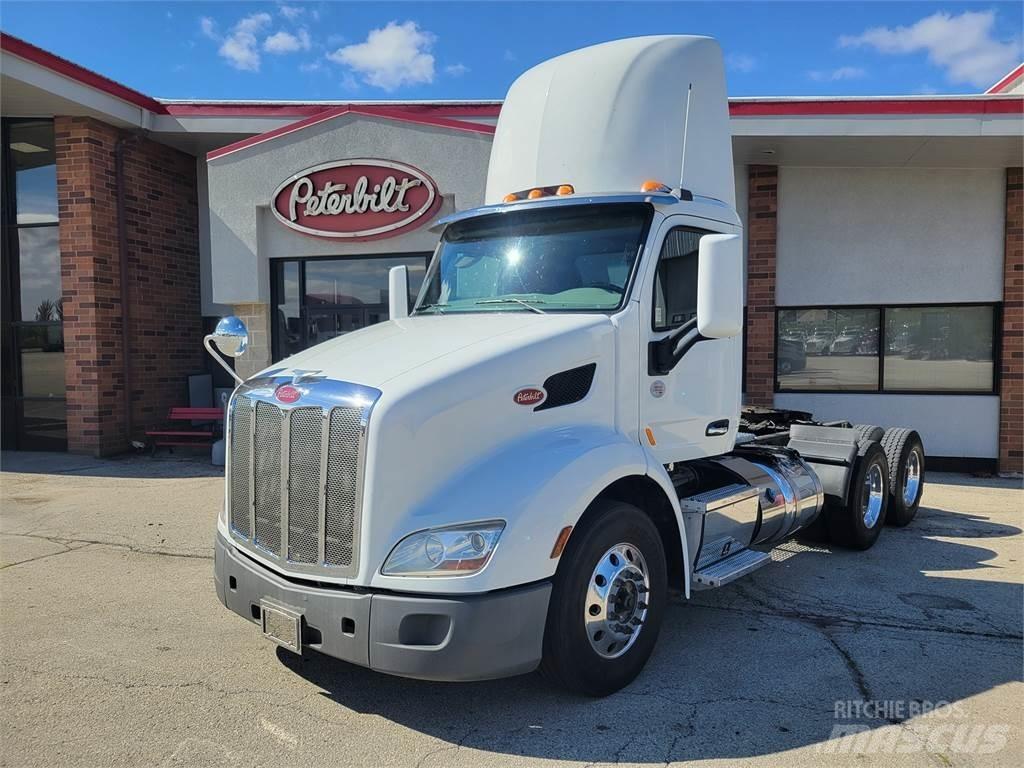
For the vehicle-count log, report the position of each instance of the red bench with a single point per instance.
(200, 435)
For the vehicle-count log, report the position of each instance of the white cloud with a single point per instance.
(291, 12)
(311, 66)
(286, 42)
(241, 48)
(396, 55)
(208, 27)
(456, 70)
(834, 75)
(964, 46)
(740, 62)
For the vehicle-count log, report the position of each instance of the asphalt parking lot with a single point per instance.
(115, 650)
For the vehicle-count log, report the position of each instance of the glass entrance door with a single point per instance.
(32, 329)
(315, 300)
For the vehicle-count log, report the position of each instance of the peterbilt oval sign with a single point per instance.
(356, 199)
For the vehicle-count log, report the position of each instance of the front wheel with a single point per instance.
(607, 602)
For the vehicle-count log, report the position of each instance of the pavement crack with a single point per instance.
(447, 748)
(66, 541)
(44, 557)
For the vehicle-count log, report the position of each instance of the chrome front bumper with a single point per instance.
(478, 637)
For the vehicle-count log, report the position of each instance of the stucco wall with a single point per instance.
(960, 425)
(889, 235)
(243, 234)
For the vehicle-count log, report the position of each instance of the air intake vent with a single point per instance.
(567, 387)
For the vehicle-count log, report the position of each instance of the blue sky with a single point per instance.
(473, 50)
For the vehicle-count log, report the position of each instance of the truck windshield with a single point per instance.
(564, 258)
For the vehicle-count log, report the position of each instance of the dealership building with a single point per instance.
(883, 236)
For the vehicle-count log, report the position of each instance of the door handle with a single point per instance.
(717, 428)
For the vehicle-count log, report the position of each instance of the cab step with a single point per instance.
(730, 569)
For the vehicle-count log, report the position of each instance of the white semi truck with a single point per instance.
(515, 473)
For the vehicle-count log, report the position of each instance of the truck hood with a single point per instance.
(383, 352)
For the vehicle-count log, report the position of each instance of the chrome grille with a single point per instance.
(342, 474)
(295, 474)
(266, 461)
(304, 485)
(241, 440)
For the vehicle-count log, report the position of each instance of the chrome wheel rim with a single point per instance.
(871, 501)
(616, 604)
(912, 479)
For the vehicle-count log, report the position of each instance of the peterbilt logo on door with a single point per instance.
(529, 396)
(357, 199)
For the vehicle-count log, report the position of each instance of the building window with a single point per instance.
(34, 411)
(922, 349)
(319, 298)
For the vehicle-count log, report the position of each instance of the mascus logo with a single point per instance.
(529, 396)
(286, 393)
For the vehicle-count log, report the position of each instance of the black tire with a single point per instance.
(847, 524)
(899, 444)
(869, 432)
(570, 660)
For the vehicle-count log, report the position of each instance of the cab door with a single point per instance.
(689, 385)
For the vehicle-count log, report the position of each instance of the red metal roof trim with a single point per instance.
(36, 55)
(939, 106)
(256, 109)
(1012, 75)
(399, 114)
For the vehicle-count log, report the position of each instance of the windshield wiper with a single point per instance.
(528, 304)
(438, 307)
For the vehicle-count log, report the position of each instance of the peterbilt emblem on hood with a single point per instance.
(360, 199)
(286, 393)
(529, 396)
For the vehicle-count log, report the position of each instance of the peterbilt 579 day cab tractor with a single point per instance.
(516, 472)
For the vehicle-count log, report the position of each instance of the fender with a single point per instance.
(538, 485)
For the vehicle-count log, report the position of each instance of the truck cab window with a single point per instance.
(548, 259)
(675, 282)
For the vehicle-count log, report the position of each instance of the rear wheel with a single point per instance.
(858, 524)
(904, 452)
(607, 602)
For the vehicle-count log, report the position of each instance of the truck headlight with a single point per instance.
(456, 550)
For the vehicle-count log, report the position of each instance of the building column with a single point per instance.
(90, 278)
(257, 320)
(161, 229)
(762, 210)
(1011, 393)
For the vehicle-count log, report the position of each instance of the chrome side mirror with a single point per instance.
(230, 337)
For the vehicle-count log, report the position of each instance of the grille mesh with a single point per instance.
(241, 424)
(342, 477)
(267, 477)
(304, 485)
(322, 509)
(567, 387)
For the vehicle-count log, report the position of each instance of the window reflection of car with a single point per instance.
(855, 341)
(791, 356)
(819, 342)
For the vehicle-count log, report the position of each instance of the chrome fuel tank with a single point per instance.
(790, 493)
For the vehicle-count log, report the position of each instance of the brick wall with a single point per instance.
(257, 320)
(86, 196)
(762, 211)
(161, 219)
(1011, 403)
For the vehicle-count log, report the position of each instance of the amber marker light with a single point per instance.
(650, 436)
(535, 193)
(653, 186)
(511, 197)
(565, 189)
(560, 542)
